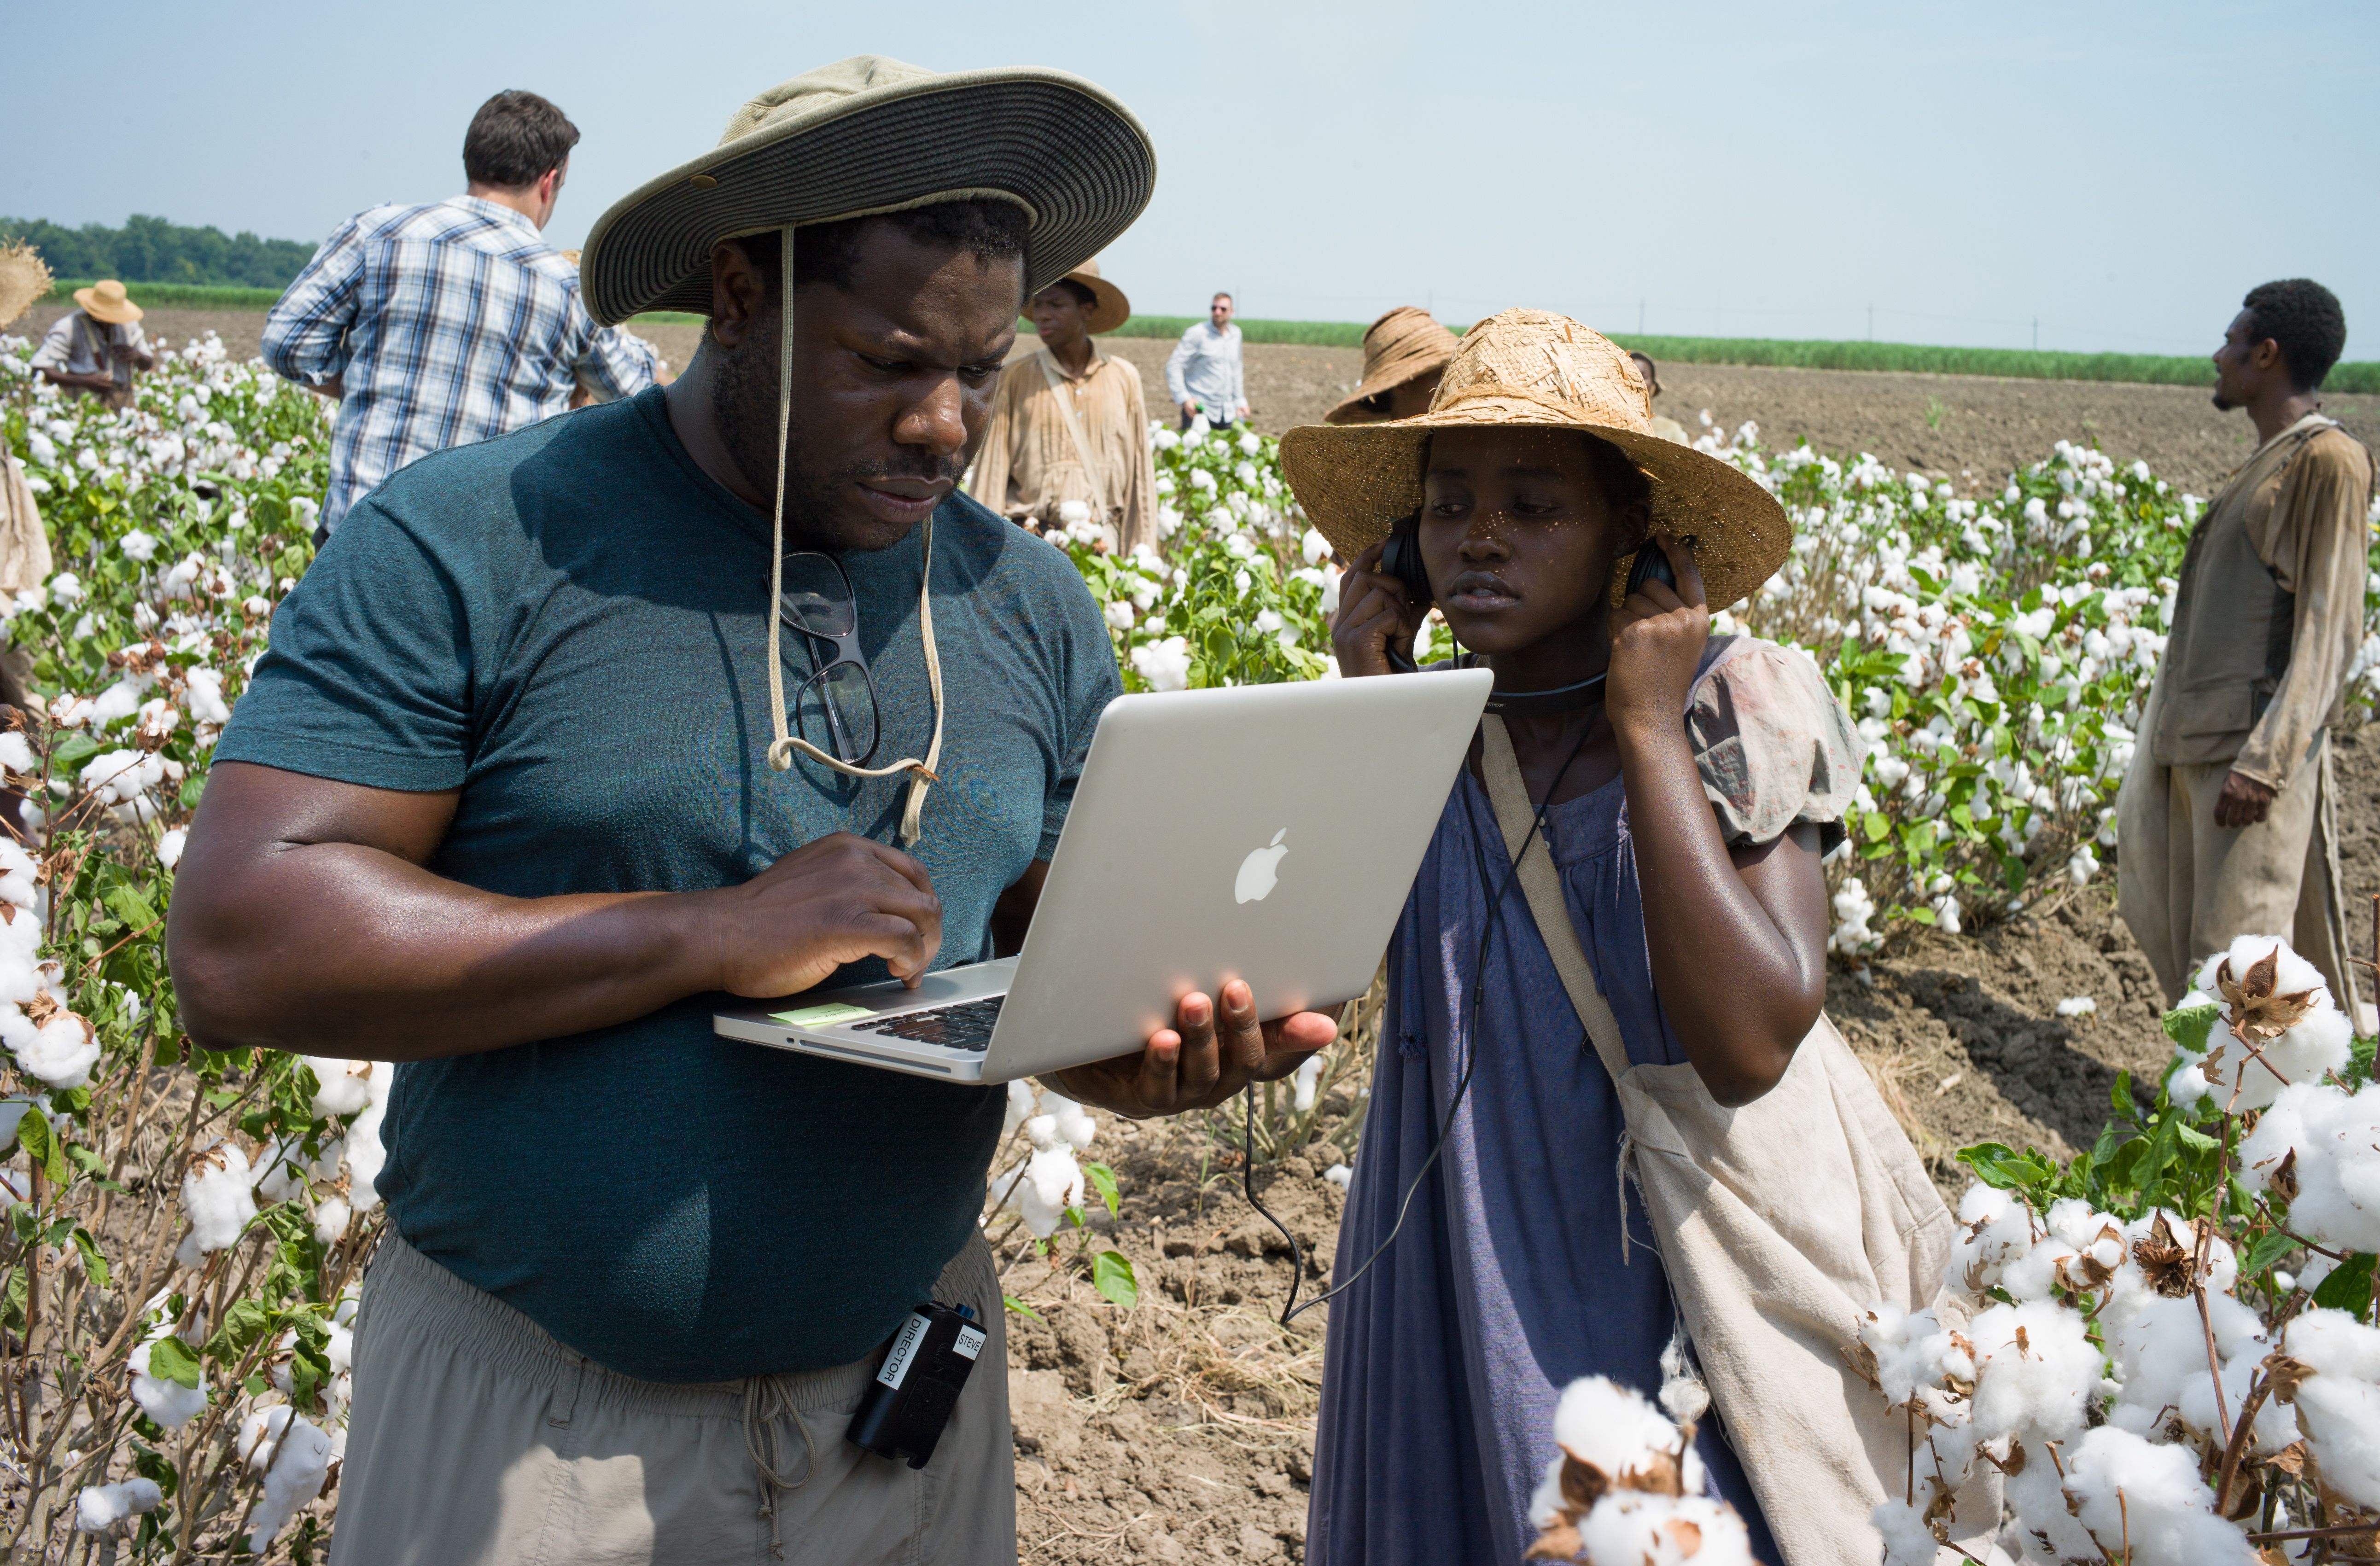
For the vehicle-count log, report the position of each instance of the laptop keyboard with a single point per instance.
(963, 1027)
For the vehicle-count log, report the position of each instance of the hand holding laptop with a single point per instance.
(1201, 1061)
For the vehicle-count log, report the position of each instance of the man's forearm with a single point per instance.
(417, 966)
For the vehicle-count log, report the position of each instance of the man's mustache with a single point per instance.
(912, 464)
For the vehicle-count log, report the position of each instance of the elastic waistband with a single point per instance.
(407, 1294)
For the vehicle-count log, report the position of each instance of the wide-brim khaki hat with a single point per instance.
(871, 135)
(24, 278)
(1531, 368)
(1405, 343)
(1109, 309)
(107, 301)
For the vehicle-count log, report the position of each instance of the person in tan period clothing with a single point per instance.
(2227, 824)
(1664, 426)
(1069, 424)
(1405, 353)
(24, 542)
(97, 346)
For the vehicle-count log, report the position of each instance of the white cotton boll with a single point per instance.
(365, 1154)
(280, 1169)
(217, 1196)
(1163, 665)
(346, 1085)
(1119, 614)
(1546, 1500)
(2033, 1386)
(1339, 1174)
(1019, 1107)
(1072, 1122)
(1309, 1072)
(101, 1507)
(1314, 547)
(170, 846)
(2083, 866)
(170, 1403)
(16, 754)
(1996, 1230)
(1249, 446)
(61, 1051)
(2148, 1499)
(2077, 1006)
(331, 1221)
(1615, 1430)
(203, 695)
(301, 1459)
(1634, 1528)
(138, 545)
(2338, 1406)
(2332, 1134)
(1906, 1540)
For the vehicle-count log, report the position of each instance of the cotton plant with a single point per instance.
(1628, 1487)
(2129, 1340)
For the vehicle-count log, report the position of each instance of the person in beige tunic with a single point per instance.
(2226, 822)
(1069, 423)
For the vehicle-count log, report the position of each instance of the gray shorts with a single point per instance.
(477, 1437)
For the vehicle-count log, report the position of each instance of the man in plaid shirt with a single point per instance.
(438, 325)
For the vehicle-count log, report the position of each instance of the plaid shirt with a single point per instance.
(450, 323)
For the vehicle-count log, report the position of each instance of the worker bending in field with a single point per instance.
(1069, 425)
(2227, 824)
(96, 347)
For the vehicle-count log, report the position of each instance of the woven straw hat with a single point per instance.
(1109, 309)
(24, 277)
(871, 135)
(107, 301)
(1403, 344)
(1529, 367)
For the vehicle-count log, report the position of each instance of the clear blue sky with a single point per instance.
(2122, 174)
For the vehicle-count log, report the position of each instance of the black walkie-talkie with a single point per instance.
(912, 1398)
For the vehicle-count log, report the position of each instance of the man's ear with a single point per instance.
(738, 293)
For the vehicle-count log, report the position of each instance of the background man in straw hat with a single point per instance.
(1068, 424)
(1663, 425)
(96, 346)
(1204, 375)
(2227, 824)
(438, 325)
(1405, 353)
(503, 803)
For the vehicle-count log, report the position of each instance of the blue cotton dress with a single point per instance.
(1445, 1361)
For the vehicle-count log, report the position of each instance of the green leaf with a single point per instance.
(72, 752)
(131, 906)
(2000, 1165)
(1103, 1181)
(2269, 1248)
(1111, 1275)
(170, 1359)
(244, 1322)
(2349, 1287)
(1877, 827)
(1019, 1306)
(41, 1144)
(95, 1264)
(2189, 1028)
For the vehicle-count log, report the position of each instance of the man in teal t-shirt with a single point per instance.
(498, 805)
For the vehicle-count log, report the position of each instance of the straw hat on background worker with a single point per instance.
(1402, 346)
(1109, 309)
(107, 301)
(1530, 366)
(859, 138)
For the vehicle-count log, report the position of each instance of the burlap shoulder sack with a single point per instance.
(1780, 1224)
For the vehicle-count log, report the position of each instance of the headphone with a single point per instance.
(1401, 558)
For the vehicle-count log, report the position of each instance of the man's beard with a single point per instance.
(2222, 402)
(744, 401)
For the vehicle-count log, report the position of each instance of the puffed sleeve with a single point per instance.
(1773, 745)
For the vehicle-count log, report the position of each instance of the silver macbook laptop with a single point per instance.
(1265, 833)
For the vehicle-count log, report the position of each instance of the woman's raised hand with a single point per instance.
(1373, 615)
(1657, 645)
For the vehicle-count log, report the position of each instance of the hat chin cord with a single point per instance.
(781, 748)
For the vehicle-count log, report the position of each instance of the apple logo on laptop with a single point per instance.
(1259, 871)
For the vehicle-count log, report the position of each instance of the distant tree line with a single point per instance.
(150, 249)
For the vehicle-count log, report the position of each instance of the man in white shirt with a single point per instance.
(97, 346)
(1204, 376)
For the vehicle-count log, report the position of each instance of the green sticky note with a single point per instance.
(821, 1016)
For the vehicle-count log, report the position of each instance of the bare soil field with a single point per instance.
(1951, 426)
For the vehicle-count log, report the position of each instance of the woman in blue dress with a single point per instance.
(1687, 787)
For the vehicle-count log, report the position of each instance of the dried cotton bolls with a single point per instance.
(299, 1455)
(60, 1050)
(101, 1507)
(1632, 1528)
(2314, 1147)
(2145, 1504)
(2278, 1022)
(218, 1199)
(1614, 1430)
(2339, 1399)
(2035, 1370)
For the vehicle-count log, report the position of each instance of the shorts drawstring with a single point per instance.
(765, 1403)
